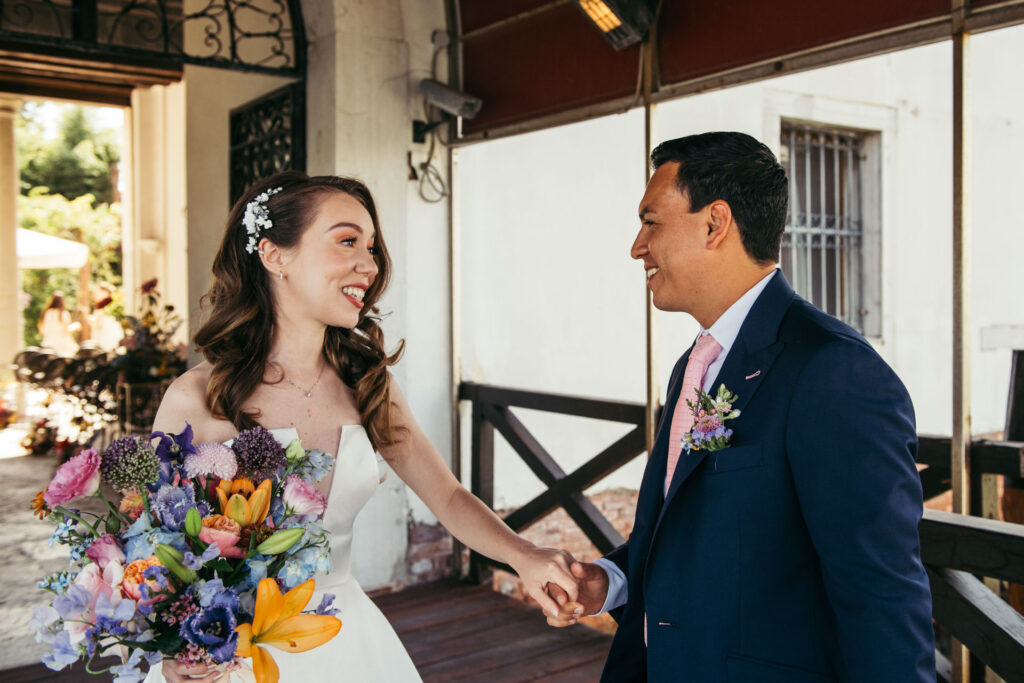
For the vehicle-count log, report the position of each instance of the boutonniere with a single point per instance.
(709, 415)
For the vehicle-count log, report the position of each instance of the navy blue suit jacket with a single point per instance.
(792, 556)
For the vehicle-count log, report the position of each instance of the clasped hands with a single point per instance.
(564, 588)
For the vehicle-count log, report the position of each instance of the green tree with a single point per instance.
(68, 188)
(80, 160)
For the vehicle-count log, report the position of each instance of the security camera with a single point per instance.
(452, 101)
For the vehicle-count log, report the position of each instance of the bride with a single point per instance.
(291, 344)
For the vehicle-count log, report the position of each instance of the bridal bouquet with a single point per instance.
(187, 560)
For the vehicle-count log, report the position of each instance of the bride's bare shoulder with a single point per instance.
(185, 401)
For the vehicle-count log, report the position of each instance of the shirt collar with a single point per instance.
(727, 327)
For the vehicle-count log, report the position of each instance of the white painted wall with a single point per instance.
(553, 302)
(365, 63)
(365, 60)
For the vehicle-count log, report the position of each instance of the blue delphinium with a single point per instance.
(171, 451)
(303, 565)
(314, 465)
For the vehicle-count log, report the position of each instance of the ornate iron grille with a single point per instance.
(821, 248)
(268, 135)
(249, 35)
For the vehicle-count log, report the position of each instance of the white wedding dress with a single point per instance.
(367, 648)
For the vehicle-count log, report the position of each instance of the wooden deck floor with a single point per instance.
(470, 633)
(454, 632)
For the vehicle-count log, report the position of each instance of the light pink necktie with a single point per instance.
(704, 353)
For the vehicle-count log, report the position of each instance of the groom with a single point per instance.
(791, 555)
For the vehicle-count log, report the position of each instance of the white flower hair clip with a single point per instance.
(257, 218)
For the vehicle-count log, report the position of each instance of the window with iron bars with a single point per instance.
(823, 246)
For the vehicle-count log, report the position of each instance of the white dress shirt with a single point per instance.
(724, 330)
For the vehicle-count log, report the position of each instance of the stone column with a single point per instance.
(10, 281)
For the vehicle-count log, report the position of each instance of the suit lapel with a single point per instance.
(650, 498)
(749, 360)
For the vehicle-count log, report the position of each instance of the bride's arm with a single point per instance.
(419, 464)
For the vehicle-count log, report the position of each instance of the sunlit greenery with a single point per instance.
(68, 187)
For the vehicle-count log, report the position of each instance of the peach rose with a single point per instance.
(133, 579)
(132, 504)
(223, 531)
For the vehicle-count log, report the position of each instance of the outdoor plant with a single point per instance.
(151, 353)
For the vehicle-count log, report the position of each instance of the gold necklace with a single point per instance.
(304, 391)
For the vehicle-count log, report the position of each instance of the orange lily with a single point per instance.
(243, 503)
(277, 621)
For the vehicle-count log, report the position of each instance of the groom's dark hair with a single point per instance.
(741, 171)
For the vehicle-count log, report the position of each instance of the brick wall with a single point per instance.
(557, 530)
(429, 554)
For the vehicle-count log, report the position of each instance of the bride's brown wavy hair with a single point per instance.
(237, 336)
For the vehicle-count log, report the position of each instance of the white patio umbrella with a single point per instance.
(36, 250)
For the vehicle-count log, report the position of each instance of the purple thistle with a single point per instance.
(260, 456)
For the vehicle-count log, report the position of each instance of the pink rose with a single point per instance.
(301, 497)
(223, 531)
(96, 582)
(79, 476)
(104, 549)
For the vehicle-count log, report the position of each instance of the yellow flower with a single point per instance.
(241, 502)
(277, 622)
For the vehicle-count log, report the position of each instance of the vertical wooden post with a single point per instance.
(960, 445)
(1013, 491)
(482, 478)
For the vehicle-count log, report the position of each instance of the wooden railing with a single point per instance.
(491, 410)
(957, 550)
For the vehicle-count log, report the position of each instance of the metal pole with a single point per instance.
(960, 443)
(650, 317)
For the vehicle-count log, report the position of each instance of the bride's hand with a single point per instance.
(176, 672)
(538, 567)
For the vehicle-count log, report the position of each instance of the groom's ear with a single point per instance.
(719, 223)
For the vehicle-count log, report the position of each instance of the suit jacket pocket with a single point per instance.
(738, 458)
(749, 670)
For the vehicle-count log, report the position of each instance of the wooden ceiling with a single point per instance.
(541, 61)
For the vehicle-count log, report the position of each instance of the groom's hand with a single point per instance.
(593, 591)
